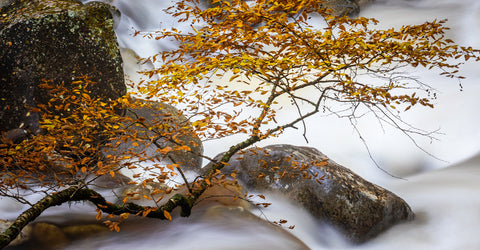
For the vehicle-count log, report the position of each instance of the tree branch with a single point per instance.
(78, 193)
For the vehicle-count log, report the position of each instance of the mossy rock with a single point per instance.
(58, 41)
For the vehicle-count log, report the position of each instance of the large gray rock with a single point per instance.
(58, 41)
(329, 191)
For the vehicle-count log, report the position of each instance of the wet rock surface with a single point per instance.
(55, 41)
(358, 208)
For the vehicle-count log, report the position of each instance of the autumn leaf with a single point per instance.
(167, 215)
(165, 150)
(99, 214)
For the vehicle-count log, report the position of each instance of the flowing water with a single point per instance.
(443, 194)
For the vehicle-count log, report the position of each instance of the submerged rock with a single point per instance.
(58, 41)
(46, 235)
(358, 208)
(76, 232)
(231, 218)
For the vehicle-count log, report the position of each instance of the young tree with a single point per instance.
(346, 67)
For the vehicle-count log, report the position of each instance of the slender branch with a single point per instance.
(80, 193)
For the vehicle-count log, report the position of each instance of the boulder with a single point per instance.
(48, 236)
(145, 195)
(163, 124)
(58, 41)
(333, 193)
(5, 2)
(231, 219)
(363, 3)
(78, 232)
(110, 182)
(343, 7)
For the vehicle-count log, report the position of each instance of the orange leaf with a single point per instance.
(124, 215)
(167, 215)
(170, 167)
(99, 214)
(165, 150)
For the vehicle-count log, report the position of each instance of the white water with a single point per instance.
(446, 201)
(335, 137)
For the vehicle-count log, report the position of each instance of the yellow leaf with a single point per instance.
(170, 167)
(165, 150)
(124, 215)
(99, 214)
(167, 215)
(184, 147)
(136, 175)
(159, 199)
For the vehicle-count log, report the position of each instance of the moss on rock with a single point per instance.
(58, 41)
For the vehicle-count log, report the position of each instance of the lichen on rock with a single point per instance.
(56, 41)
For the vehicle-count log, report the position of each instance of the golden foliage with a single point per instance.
(266, 56)
(271, 41)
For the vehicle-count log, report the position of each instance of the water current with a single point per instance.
(442, 193)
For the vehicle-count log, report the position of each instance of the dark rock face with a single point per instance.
(329, 191)
(57, 41)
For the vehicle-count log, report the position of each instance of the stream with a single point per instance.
(443, 193)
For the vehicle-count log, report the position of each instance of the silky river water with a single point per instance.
(444, 193)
